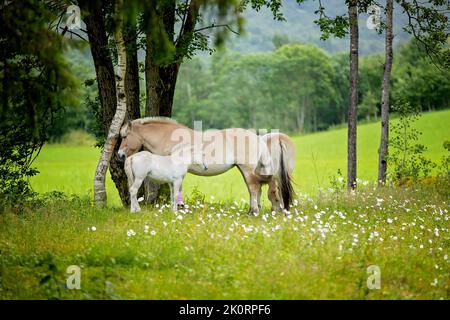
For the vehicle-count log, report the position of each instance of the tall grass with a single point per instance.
(213, 250)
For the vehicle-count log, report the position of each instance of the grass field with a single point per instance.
(319, 156)
(214, 250)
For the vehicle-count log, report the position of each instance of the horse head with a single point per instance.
(131, 141)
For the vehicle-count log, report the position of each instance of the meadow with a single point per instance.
(70, 168)
(212, 249)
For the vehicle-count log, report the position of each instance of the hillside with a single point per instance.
(300, 27)
(260, 28)
(319, 156)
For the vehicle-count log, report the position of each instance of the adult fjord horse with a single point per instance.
(261, 159)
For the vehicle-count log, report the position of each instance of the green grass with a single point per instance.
(70, 168)
(213, 250)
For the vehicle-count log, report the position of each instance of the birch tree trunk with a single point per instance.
(106, 83)
(353, 95)
(385, 89)
(100, 198)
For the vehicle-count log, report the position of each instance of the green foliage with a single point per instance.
(179, 29)
(337, 26)
(35, 85)
(271, 90)
(429, 24)
(443, 177)
(96, 129)
(273, 5)
(280, 40)
(368, 106)
(417, 80)
(445, 162)
(290, 89)
(303, 78)
(79, 138)
(405, 153)
(337, 182)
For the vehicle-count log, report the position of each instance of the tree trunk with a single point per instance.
(315, 119)
(161, 80)
(96, 30)
(100, 197)
(104, 69)
(385, 88)
(353, 95)
(160, 88)
(133, 110)
(132, 89)
(301, 119)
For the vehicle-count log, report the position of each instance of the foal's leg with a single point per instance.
(253, 186)
(179, 196)
(172, 197)
(134, 188)
(176, 191)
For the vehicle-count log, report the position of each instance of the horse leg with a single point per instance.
(134, 188)
(254, 188)
(259, 197)
(274, 195)
(179, 196)
(172, 196)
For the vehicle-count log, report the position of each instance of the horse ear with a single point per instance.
(127, 120)
(126, 126)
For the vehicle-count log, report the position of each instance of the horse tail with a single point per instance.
(129, 171)
(286, 188)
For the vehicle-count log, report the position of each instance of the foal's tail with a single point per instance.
(286, 188)
(129, 171)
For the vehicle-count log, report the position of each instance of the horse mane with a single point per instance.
(154, 119)
(142, 121)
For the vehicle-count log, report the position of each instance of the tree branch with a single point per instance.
(66, 29)
(217, 26)
(190, 21)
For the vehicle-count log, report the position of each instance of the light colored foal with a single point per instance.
(162, 169)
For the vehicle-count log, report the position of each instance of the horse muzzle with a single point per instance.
(122, 156)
